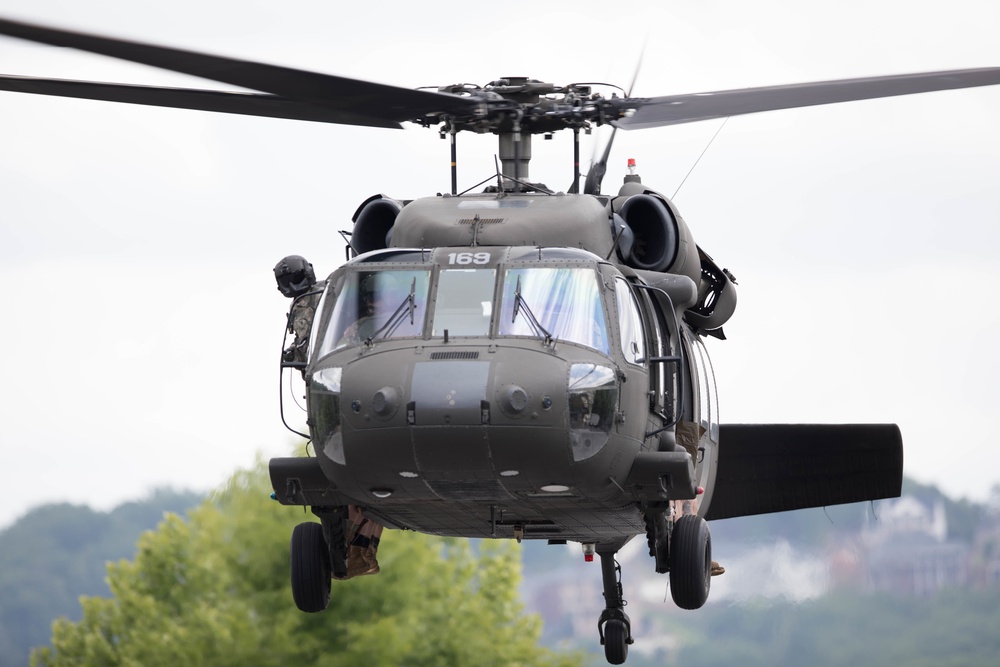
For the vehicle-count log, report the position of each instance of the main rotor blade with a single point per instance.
(355, 98)
(676, 109)
(248, 104)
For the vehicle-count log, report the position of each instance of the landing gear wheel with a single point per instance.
(310, 568)
(613, 625)
(690, 562)
(616, 634)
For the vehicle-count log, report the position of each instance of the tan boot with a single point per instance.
(356, 562)
(371, 561)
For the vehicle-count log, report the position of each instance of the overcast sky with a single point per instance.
(141, 325)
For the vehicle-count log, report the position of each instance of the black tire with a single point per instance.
(615, 641)
(690, 562)
(310, 568)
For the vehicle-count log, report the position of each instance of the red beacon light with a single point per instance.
(631, 176)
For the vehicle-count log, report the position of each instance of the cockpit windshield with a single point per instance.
(464, 303)
(367, 306)
(564, 302)
(374, 305)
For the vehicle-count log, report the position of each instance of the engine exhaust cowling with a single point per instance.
(716, 296)
(373, 223)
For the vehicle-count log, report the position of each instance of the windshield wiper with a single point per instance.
(408, 306)
(533, 322)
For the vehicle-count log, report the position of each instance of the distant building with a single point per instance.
(908, 551)
(984, 562)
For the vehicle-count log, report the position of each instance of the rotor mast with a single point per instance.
(521, 107)
(515, 144)
(515, 154)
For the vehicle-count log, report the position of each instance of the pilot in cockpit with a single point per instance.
(384, 307)
(373, 310)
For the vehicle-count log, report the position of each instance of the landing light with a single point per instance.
(555, 488)
(381, 493)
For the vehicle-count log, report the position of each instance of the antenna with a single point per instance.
(684, 180)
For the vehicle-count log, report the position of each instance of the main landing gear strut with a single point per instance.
(683, 548)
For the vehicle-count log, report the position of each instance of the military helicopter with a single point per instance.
(538, 369)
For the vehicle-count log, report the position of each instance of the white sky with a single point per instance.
(141, 326)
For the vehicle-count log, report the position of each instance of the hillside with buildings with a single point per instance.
(845, 564)
(915, 581)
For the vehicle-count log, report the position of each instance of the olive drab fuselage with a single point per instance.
(495, 363)
(532, 366)
(517, 393)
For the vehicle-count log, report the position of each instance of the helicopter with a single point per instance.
(551, 344)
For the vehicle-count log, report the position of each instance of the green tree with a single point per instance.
(213, 589)
(56, 553)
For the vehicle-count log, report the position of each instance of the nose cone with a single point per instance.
(447, 424)
(450, 392)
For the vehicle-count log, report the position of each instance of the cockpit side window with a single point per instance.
(708, 400)
(629, 323)
(564, 301)
(374, 304)
(662, 376)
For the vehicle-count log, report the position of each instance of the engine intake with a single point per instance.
(373, 223)
(654, 230)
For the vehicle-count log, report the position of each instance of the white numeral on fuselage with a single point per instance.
(464, 258)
